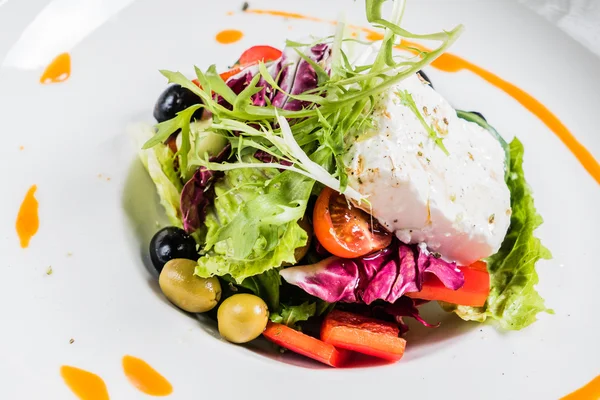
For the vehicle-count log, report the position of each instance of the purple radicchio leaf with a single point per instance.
(237, 83)
(384, 275)
(288, 64)
(332, 279)
(267, 92)
(304, 77)
(198, 193)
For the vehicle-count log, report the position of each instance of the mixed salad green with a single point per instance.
(269, 224)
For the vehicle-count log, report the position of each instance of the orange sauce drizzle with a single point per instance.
(84, 384)
(591, 391)
(452, 63)
(228, 36)
(145, 378)
(27, 220)
(58, 70)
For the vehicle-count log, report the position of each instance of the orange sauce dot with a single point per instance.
(228, 36)
(373, 35)
(230, 13)
(85, 385)
(145, 378)
(588, 392)
(58, 70)
(27, 220)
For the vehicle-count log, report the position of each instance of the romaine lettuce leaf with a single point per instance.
(159, 162)
(252, 225)
(513, 301)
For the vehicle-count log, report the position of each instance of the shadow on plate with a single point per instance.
(422, 340)
(145, 215)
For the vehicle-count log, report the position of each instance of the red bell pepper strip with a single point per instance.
(362, 334)
(473, 293)
(306, 345)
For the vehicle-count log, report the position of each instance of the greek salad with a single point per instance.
(329, 184)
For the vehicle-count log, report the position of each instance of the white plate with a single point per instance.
(102, 296)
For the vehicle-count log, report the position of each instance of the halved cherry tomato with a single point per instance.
(259, 53)
(344, 230)
(362, 334)
(474, 292)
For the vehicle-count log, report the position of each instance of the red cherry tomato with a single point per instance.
(344, 230)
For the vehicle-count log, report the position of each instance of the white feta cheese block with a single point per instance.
(458, 204)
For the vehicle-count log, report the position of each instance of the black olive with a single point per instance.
(169, 243)
(174, 99)
(425, 77)
(480, 115)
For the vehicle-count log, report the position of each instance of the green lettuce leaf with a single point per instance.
(252, 226)
(159, 161)
(291, 315)
(513, 301)
(265, 286)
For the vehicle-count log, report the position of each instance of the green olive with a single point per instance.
(186, 290)
(242, 318)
